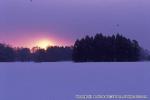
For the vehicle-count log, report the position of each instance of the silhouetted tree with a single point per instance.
(52, 54)
(39, 55)
(23, 54)
(106, 48)
(7, 53)
(55, 53)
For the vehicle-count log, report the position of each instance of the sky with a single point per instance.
(24, 23)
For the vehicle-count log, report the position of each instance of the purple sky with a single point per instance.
(22, 21)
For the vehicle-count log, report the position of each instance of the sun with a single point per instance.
(44, 43)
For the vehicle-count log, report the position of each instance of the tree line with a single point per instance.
(102, 48)
(98, 48)
(36, 54)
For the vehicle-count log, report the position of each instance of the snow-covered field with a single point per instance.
(64, 80)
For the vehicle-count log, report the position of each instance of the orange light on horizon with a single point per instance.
(37, 40)
(44, 43)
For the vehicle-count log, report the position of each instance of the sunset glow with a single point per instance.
(44, 43)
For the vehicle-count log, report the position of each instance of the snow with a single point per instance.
(64, 80)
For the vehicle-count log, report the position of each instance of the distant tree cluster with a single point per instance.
(51, 54)
(99, 48)
(7, 53)
(102, 48)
